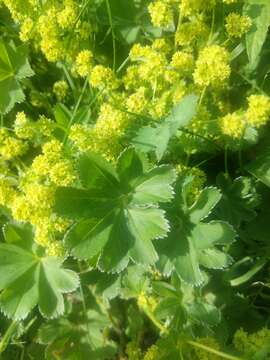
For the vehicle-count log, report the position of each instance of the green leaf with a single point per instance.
(193, 244)
(28, 279)
(134, 282)
(157, 226)
(154, 186)
(14, 67)
(119, 220)
(205, 203)
(238, 201)
(259, 12)
(260, 167)
(62, 115)
(157, 138)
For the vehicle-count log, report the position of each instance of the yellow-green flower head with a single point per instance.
(39, 195)
(62, 173)
(3, 134)
(230, 1)
(52, 49)
(139, 52)
(21, 209)
(200, 354)
(133, 350)
(43, 235)
(198, 181)
(55, 249)
(152, 353)
(162, 45)
(84, 30)
(161, 14)
(53, 150)
(111, 122)
(233, 125)
(183, 62)
(80, 135)
(50, 43)
(23, 128)
(178, 92)
(191, 32)
(7, 192)
(60, 224)
(212, 67)
(12, 148)
(153, 67)
(258, 111)
(171, 76)
(161, 106)
(237, 25)
(26, 31)
(191, 7)
(84, 63)
(131, 79)
(60, 89)
(250, 344)
(102, 77)
(41, 166)
(45, 126)
(67, 17)
(137, 102)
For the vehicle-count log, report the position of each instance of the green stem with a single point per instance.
(202, 96)
(190, 342)
(75, 110)
(226, 162)
(213, 351)
(123, 64)
(212, 25)
(2, 120)
(6, 338)
(69, 79)
(113, 33)
(85, 310)
(250, 82)
(155, 321)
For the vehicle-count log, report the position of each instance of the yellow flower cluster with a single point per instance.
(233, 125)
(50, 26)
(105, 137)
(192, 32)
(152, 353)
(258, 111)
(198, 181)
(23, 127)
(133, 351)
(84, 62)
(183, 62)
(137, 102)
(10, 146)
(60, 89)
(54, 165)
(81, 136)
(250, 344)
(237, 25)
(200, 354)
(161, 14)
(212, 67)
(7, 192)
(191, 7)
(102, 77)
